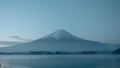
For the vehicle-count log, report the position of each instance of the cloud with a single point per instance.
(14, 40)
(9, 43)
(2, 45)
(20, 38)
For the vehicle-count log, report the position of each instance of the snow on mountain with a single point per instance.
(60, 40)
(61, 34)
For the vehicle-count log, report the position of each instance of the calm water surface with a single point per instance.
(60, 61)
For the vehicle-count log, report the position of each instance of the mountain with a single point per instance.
(117, 51)
(60, 40)
(59, 35)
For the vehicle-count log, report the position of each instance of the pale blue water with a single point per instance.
(60, 61)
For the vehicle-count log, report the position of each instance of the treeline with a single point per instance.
(48, 53)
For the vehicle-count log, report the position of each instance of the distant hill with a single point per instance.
(117, 51)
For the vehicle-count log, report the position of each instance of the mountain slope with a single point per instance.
(59, 40)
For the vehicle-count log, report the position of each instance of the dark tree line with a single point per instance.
(48, 53)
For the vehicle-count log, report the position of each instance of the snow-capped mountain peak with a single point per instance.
(60, 40)
(61, 34)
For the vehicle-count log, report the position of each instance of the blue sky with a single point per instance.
(97, 20)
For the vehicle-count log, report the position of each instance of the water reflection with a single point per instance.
(78, 61)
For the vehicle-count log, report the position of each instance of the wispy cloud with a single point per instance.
(9, 43)
(20, 38)
(2, 45)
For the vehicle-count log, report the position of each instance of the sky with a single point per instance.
(97, 20)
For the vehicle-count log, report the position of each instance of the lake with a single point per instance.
(60, 61)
